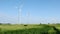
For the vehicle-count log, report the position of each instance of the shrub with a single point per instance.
(25, 25)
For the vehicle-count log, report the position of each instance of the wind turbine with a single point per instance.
(20, 12)
(28, 17)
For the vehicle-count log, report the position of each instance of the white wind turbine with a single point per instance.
(19, 11)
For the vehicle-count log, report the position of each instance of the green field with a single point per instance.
(29, 29)
(56, 25)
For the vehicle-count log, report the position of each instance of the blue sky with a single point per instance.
(30, 11)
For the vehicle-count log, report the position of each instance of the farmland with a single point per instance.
(29, 29)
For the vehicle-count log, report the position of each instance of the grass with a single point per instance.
(56, 25)
(29, 29)
(15, 27)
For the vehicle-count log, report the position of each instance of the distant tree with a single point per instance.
(48, 23)
(40, 23)
(58, 23)
(0, 23)
(8, 24)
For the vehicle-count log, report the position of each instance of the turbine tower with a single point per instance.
(28, 17)
(20, 11)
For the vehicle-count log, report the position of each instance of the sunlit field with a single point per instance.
(15, 27)
(56, 25)
(29, 29)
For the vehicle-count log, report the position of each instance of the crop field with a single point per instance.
(56, 25)
(30, 29)
(15, 27)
